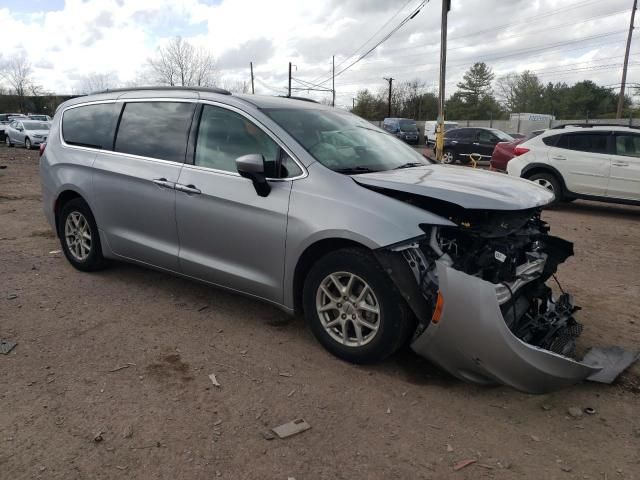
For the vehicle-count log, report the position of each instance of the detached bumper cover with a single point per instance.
(472, 341)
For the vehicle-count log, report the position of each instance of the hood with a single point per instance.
(467, 187)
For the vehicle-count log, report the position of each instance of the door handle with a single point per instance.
(620, 164)
(192, 189)
(559, 157)
(163, 182)
(476, 143)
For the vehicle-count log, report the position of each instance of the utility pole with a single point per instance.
(353, 104)
(289, 80)
(626, 61)
(252, 89)
(390, 80)
(446, 6)
(333, 81)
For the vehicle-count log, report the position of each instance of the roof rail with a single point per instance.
(591, 125)
(221, 91)
(304, 99)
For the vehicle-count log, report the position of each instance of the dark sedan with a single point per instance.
(477, 143)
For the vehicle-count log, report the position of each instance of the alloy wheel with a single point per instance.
(77, 234)
(348, 309)
(545, 183)
(27, 144)
(447, 157)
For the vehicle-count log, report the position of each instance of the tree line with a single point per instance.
(481, 96)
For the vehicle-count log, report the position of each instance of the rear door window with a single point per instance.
(485, 136)
(628, 144)
(90, 125)
(155, 129)
(584, 142)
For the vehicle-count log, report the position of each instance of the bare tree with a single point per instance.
(96, 82)
(17, 71)
(180, 63)
(505, 89)
(236, 86)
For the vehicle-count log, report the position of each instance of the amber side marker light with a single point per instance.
(437, 313)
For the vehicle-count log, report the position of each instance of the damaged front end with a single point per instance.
(479, 292)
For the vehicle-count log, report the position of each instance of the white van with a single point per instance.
(430, 130)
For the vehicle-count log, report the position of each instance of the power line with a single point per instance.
(384, 39)
(521, 52)
(528, 21)
(537, 32)
(542, 71)
(376, 33)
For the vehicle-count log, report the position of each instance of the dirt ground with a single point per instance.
(161, 417)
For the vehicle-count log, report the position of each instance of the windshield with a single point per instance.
(344, 142)
(503, 137)
(36, 125)
(408, 126)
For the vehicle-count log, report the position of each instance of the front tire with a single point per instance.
(27, 143)
(79, 236)
(551, 183)
(354, 309)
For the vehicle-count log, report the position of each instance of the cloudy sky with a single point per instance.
(560, 40)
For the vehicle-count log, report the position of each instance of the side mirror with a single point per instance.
(252, 167)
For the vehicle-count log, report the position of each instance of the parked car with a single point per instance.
(26, 132)
(503, 151)
(41, 117)
(463, 144)
(5, 118)
(593, 162)
(403, 128)
(430, 130)
(315, 210)
(517, 136)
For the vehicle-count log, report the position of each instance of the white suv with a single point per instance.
(593, 162)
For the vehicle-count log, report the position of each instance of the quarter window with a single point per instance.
(628, 145)
(225, 135)
(155, 129)
(90, 125)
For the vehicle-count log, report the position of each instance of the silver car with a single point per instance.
(26, 132)
(315, 210)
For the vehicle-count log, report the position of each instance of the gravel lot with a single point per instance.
(161, 417)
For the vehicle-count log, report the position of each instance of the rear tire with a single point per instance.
(342, 315)
(79, 236)
(551, 183)
(7, 141)
(448, 157)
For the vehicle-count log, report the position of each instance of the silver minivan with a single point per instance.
(315, 210)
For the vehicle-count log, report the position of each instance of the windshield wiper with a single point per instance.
(410, 165)
(354, 170)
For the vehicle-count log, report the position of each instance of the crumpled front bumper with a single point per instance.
(472, 341)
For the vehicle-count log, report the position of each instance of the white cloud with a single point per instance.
(119, 35)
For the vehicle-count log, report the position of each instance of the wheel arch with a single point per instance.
(533, 168)
(61, 200)
(309, 257)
